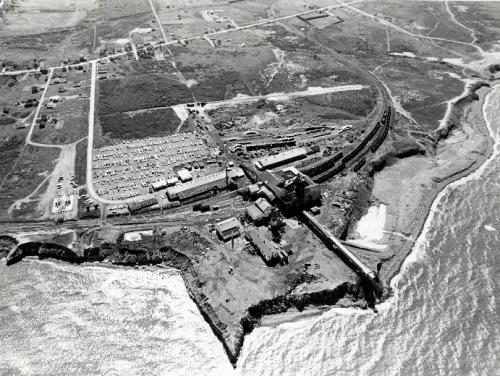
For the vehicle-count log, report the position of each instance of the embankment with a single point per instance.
(466, 112)
(122, 254)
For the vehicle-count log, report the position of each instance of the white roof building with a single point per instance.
(281, 158)
(184, 175)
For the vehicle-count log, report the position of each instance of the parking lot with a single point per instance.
(127, 170)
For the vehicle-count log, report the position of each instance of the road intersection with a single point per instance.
(94, 62)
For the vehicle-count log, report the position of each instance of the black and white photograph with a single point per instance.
(249, 188)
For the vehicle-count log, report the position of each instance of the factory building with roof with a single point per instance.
(184, 175)
(280, 159)
(163, 183)
(142, 202)
(269, 251)
(217, 181)
(259, 211)
(159, 185)
(292, 189)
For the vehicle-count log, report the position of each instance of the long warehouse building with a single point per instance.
(281, 158)
(198, 186)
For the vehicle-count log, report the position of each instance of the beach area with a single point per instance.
(441, 318)
(150, 317)
(404, 192)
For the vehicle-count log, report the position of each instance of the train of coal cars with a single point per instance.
(325, 169)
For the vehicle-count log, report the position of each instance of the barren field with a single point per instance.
(26, 171)
(33, 16)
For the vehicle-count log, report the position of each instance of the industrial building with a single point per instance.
(253, 190)
(259, 211)
(184, 175)
(217, 181)
(159, 185)
(269, 145)
(228, 229)
(163, 183)
(270, 252)
(235, 173)
(142, 202)
(267, 194)
(280, 159)
(293, 190)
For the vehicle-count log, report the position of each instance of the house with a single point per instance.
(228, 229)
(260, 211)
(263, 205)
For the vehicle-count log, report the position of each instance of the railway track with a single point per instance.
(376, 135)
(327, 170)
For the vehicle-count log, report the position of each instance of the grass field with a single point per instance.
(81, 163)
(146, 123)
(9, 152)
(140, 92)
(422, 87)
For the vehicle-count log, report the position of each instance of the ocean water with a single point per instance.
(62, 319)
(444, 316)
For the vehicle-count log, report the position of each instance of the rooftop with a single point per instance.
(227, 225)
(281, 158)
(196, 182)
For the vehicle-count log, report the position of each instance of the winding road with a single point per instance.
(354, 66)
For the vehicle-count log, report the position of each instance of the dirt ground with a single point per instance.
(222, 272)
(26, 172)
(33, 16)
(409, 187)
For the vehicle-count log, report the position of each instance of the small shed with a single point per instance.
(228, 229)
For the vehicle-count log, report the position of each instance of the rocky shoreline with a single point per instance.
(349, 293)
(171, 258)
(472, 102)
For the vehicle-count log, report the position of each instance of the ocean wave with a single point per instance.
(442, 310)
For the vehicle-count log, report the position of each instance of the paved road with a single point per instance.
(90, 140)
(172, 42)
(93, 64)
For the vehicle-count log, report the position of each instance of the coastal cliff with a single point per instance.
(215, 280)
(230, 330)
